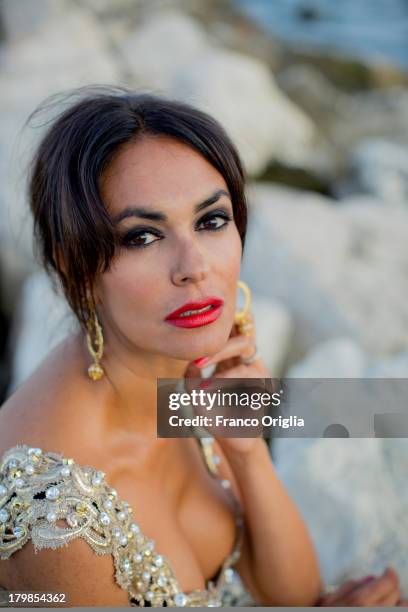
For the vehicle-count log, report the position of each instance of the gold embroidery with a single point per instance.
(38, 489)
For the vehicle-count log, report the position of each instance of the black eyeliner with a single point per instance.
(140, 230)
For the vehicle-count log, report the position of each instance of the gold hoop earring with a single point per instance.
(95, 346)
(243, 317)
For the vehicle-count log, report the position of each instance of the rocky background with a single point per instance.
(324, 137)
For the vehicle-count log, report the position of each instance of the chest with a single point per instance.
(183, 509)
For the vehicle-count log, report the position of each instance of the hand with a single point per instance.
(229, 365)
(369, 591)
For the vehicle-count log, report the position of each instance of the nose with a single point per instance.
(192, 265)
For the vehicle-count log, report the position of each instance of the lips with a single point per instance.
(211, 301)
(196, 314)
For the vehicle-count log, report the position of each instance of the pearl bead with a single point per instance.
(104, 518)
(29, 469)
(180, 599)
(19, 482)
(121, 516)
(137, 558)
(225, 483)
(51, 517)
(116, 532)
(161, 581)
(229, 574)
(150, 545)
(107, 504)
(97, 479)
(149, 595)
(52, 493)
(72, 520)
(18, 531)
(146, 576)
(65, 471)
(123, 540)
(134, 528)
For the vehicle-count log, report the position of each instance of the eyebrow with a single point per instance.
(155, 215)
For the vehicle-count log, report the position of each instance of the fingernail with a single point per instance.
(204, 384)
(367, 579)
(201, 361)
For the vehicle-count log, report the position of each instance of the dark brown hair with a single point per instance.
(75, 233)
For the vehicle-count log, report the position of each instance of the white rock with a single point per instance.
(64, 48)
(380, 168)
(352, 497)
(24, 18)
(340, 270)
(395, 366)
(338, 358)
(163, 46)
(172, 54)
(274, 333)
(43, 320)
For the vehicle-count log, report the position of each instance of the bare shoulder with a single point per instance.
(47, 410)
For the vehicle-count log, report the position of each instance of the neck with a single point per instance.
(129, 385)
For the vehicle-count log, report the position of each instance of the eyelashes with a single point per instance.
(131, 238)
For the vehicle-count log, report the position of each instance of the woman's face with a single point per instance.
(184, 256)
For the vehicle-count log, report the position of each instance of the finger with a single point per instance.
(390, 600)
(192, 371)
(237, 346)
(240, 371)
(340, 593)
(376, 590)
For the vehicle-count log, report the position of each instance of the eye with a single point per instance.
(213, 221)
(136, 239)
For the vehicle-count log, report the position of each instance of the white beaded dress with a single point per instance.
(39, 488)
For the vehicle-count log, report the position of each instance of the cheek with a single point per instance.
(128, 286)
(230, 257)
(229, 267)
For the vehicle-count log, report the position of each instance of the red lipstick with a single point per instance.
(196, 314)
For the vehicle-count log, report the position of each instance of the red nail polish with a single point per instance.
(367, 579)
(204, 384)
(201, 361)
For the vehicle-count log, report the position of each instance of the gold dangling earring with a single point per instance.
(95, 346)
(243, 318)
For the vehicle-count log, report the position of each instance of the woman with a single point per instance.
(139, 210)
